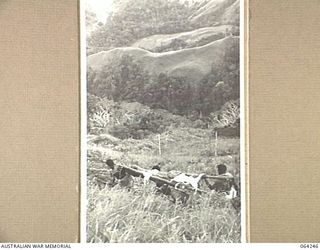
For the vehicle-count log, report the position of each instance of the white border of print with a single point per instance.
(83, 73)
(83, 116)
(243, 170)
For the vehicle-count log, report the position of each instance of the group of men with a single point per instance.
(222, 184)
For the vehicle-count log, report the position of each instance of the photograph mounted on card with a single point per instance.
(162, 106)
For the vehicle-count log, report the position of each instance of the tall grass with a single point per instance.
(139, 215)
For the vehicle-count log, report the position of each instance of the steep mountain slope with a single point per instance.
(193, 63)
(217, 12)
(232, 14)
(185, 70)
(195, 38)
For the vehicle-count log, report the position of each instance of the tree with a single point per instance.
(228, 116)
(121, 80)
(91, 21)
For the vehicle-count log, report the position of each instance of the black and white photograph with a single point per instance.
(163, 128)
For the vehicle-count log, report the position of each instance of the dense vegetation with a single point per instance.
(129, 22)
(125, 80)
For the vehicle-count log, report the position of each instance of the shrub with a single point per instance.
(120, 131)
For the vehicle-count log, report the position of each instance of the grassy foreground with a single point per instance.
(139, 215)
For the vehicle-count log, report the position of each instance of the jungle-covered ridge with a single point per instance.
(178, 56)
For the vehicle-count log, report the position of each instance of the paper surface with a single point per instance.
(283, 120)
(39, 198)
